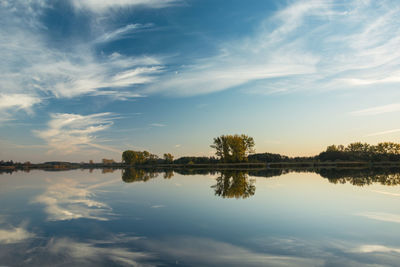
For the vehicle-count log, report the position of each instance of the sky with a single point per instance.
(84, 80)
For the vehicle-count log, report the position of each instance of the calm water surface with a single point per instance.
(124, 218)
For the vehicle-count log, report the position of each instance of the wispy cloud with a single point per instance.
(70, 133)
(304, 46)
(157, 124)
(377, 110)
(383, 133)
(32, 70)
(122, 32)
(17, 101)
(105, 5)
(14, 102)
(157, 206)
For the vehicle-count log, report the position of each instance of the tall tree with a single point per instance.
(233, 148)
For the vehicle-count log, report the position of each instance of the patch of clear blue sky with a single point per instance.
(294, 121)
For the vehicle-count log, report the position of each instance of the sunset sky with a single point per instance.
(87, 79)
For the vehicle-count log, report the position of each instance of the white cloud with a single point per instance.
(157, 125)
(81, 74)
(18, 101)
(14, 235)
(157, 206)
(105, 5)
(384, 132)
(377, 110)
(14, 102)
(70, 133)
(121, 32)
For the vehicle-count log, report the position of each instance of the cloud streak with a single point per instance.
(157, 125)
(383, 133)
(105, 5)
(71, 133)
(122, 32)
(377, 110)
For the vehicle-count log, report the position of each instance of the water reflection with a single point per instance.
(79, 218)
(69, 199)
(362, 177)
(237, 184)
(132, 175)
(230, 183)
(234, 184)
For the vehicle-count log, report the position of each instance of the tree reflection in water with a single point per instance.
(234, 184)
(131, 175)
(230, 184)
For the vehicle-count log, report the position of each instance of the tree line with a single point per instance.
(386, 151)
(240, 149)
(229, 149)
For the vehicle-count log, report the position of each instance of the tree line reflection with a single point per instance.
(239, 184)
(229, 184)
(362, 177)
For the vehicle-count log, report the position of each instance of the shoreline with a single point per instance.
(213, 166)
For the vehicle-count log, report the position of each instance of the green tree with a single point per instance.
(131, 157)
(332, 148)
(233, 148)
(358, 147)
(168, 157)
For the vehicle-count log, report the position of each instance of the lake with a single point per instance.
(200, 218)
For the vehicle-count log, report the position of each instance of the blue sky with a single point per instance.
(84, 80)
